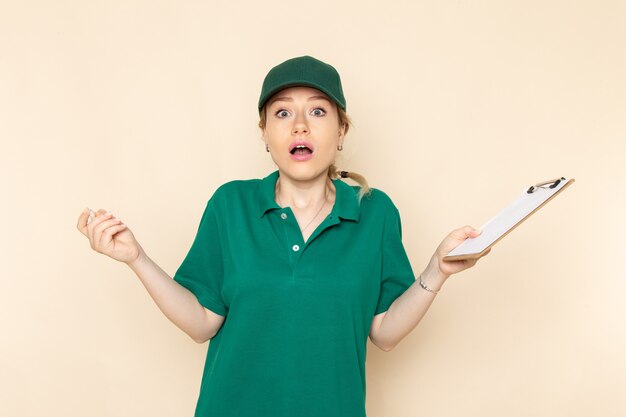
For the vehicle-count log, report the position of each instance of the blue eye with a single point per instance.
(323, 112)
(278, 113)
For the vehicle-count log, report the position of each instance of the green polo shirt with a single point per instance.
(298, 315)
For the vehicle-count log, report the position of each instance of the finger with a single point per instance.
(92, 216)
(101, 240)
(81, 225)
(464, 232)
(100, 212)
(98, 218)
(91, 227)
(99, 235)
(112, 221)
(107, 234)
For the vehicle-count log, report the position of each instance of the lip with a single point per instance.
(301, 142)
(301, 157)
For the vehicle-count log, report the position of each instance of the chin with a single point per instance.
(303, 171)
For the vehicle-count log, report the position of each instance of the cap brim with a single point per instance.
(295, 83)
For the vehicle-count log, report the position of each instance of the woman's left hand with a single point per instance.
(454, 239)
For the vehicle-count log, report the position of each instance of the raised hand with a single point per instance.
(109, 236)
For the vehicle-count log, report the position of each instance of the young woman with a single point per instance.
(289, 275)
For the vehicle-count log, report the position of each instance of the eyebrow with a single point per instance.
(284, 98)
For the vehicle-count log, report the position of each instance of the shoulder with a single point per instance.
(236, 187)
(235, 196)
(376, 200)
(379, 210)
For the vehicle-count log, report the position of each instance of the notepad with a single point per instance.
(529, 201)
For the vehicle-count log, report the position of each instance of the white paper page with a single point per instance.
(505, 220)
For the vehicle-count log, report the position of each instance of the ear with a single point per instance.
(342, 132)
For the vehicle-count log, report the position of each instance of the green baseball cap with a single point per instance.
(306, 71)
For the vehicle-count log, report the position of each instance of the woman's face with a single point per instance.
(302, 131)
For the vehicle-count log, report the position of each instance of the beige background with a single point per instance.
(145, 107)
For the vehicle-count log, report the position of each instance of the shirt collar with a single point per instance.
(346, 199)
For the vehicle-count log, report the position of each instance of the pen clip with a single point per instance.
(554, 183)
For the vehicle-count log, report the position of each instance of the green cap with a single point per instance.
(307, 71)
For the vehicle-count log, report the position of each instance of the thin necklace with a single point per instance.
(314, 217)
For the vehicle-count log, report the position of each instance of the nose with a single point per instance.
(299, 126)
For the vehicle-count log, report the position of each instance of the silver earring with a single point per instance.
(267, 148)
(340, 147)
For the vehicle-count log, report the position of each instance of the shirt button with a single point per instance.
(295, 248)
(283, 216)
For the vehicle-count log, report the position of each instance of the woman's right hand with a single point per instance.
(109, 236)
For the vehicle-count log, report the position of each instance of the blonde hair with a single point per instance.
(333, 172)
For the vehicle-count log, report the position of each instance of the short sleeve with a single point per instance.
(202, 269)
(396, 272)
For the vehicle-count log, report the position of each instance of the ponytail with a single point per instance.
(358, 178)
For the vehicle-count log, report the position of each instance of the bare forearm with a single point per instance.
(178, 304)
(407, 311)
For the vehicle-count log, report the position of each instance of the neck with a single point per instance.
(303, 195)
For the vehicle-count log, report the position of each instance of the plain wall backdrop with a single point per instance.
(144, 108)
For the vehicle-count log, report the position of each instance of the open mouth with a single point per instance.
(301, 150)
